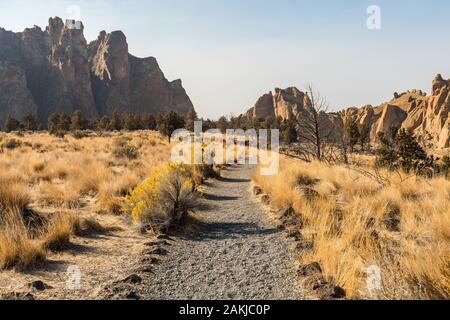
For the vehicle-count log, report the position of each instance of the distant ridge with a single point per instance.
(427, 116)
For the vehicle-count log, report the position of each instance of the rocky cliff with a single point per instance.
(55, 69)
(428, 117)
(286, 103)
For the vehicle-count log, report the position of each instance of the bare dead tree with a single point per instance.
(314, 129)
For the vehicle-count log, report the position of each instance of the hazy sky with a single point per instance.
(229, 52)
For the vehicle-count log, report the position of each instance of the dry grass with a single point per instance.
(354, 223)
(89, 226)
(17, 248)
(13, 195)
(63, 172)
(56, 236)
(70, 176)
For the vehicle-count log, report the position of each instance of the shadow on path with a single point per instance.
(233, 180)
(214, 197)
(224, 231)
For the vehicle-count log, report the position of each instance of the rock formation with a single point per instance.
(428, 117)
(286, 103)
(19, 99)
(56, 70)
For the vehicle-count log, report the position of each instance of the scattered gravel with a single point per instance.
(232, 251)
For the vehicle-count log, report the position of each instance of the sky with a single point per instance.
(230, 52)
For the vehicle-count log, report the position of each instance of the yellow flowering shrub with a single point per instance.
(163, 196)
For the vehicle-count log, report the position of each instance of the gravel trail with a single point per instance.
(233, 251)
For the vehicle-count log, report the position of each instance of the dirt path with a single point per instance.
(234, 251)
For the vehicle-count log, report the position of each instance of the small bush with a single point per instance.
(11, 144)
(78, 134)
(59, 133)
(126, 151)
(163, 199)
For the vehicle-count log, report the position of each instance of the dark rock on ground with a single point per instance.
(131, 279)
(156, 251)
(330, 291)
(149, 260)
(163, 237)
(257, 190)
(294, 233)
(309, 269)
(265, 199)
(39, 285)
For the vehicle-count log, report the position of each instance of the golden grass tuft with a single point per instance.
(17, 249)
(88, 226)
(13, 194)
(58, 232)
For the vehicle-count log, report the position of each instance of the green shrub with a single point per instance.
(401, 150)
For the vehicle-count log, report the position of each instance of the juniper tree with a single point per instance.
(116, 121)
(289, 132)
(364, 136)
(58, 123)
(29, 121)
(78, 121)
(351, 132)
(171, 122)
(148, 121)
(11, 124)
(132, 122)
(191, 117)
